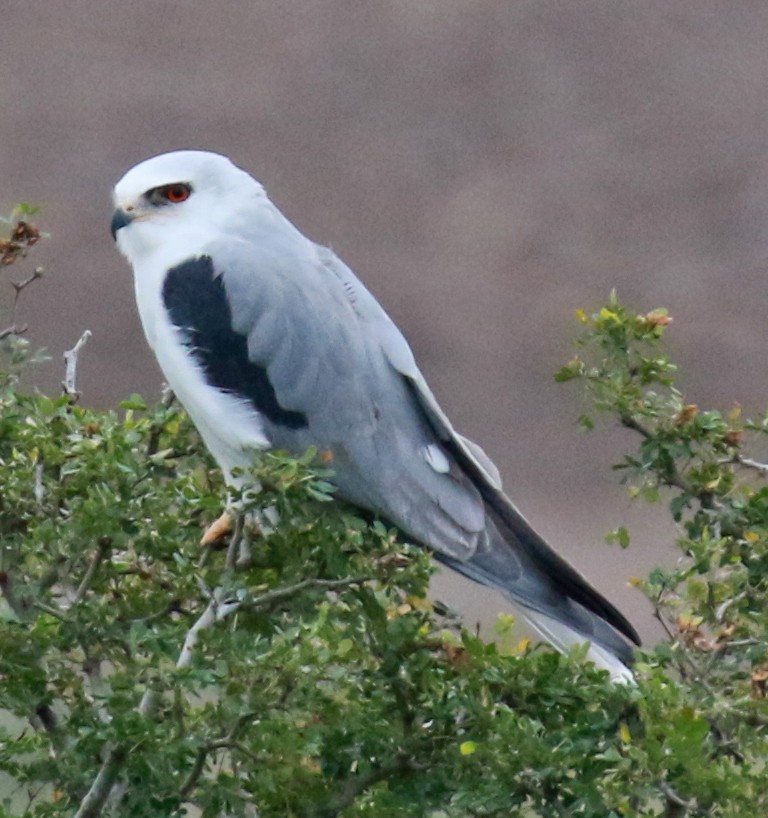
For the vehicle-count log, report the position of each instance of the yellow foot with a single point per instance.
(218, 530)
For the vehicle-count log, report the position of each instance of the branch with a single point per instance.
(19, 287)
(93, 803)
(46, 718)
(13, 330)
(355, 787)
(676, 805)
(227, 742)
(749, 463)
(97, 796)
(43, 715)
(39, 489)
(236, 542)
(280, 594)
(51, 610)
(673, 476)
(96, 560)
(217, 610)
(70, 356)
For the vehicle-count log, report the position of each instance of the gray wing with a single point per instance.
(332, 355)
(334, 359)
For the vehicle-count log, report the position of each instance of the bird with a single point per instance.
(269, 340)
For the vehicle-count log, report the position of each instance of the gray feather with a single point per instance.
(329, 348)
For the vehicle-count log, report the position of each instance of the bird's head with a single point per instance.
(181, 195)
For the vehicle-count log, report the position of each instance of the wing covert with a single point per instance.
(333, 356)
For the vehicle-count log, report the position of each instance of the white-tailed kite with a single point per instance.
(270, 340)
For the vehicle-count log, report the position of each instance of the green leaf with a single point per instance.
(467, 748)
(619, 536)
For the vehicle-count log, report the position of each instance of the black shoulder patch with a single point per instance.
(196, 302)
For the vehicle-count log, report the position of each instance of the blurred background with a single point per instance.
(486, 166)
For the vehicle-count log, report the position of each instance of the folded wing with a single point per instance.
(342, 378)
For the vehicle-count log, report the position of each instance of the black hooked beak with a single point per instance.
(120, 219)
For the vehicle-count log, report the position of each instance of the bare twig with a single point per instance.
(20, 286)
(749, 463)
(23, 236)
(14, 329)
(70, 356)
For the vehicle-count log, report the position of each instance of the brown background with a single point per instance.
(486, 167)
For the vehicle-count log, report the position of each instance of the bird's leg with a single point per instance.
(246, 525)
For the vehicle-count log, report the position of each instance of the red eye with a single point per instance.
(176, 193)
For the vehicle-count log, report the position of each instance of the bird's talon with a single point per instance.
(218, 530)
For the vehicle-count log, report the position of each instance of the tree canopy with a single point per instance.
(303, 670)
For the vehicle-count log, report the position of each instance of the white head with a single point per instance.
(182, 194)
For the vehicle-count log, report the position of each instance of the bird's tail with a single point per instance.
(553, 597)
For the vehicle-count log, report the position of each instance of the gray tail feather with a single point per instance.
(538, 595)
(553, 596)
